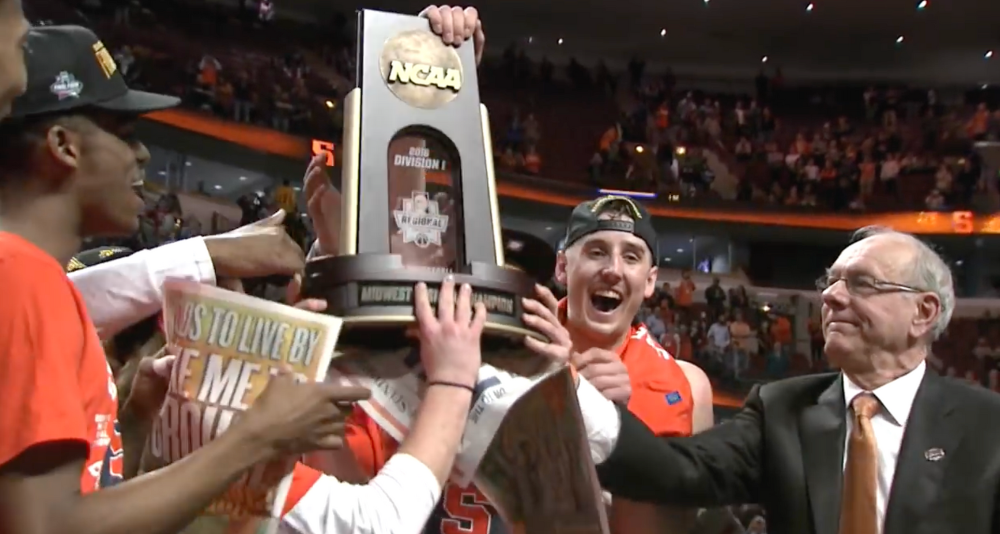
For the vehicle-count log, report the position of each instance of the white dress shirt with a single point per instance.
(397, 501)
(122, 292)
(889, 424)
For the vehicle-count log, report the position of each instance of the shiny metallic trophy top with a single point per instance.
(419, 192)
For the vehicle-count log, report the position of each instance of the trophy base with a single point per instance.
(373, 294)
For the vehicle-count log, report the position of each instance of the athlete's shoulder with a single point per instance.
(643, 343)
(21, 260)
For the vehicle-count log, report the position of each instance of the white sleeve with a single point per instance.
(601, 419)
(397, 501)
(122, 292)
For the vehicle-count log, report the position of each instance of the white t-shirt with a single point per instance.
(719, 335)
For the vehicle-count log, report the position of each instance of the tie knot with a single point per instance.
(865, 405)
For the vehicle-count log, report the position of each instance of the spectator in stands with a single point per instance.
(742, 340)
(684, 296)
(532, 161)
(715, 296)
(719, 341)
(13, 77)
(781, 345)
(935, 200)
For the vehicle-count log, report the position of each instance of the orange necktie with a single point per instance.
(858, 512)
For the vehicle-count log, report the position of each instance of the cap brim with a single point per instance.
(139, 102)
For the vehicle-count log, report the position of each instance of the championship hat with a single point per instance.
(529, 254)
(69, 68)
(96, 256)
(586, 219)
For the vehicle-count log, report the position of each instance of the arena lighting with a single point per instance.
(663, 32)
(243, 178)
(810, 7)
(899, 40)
(531, 40)
(329, 104)
(217, 187)
(641, 195)
(681, 151)
(639, 149)
(763, 59)
(922, 5)
(560, 40)
(680, 251)
(988, 54)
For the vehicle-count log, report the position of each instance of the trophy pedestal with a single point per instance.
(373, 293)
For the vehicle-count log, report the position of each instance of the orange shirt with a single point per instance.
(533, 163)
(781, 330)
(684, 293)
(56, 382)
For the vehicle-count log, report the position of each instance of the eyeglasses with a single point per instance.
(860, 284)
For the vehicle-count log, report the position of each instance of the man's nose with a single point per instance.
(613, 269)
(836, 296)
(141, 153)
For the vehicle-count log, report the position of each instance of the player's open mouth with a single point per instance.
(606, 300)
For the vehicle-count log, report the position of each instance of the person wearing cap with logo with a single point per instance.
(68, 162)
(609, 267)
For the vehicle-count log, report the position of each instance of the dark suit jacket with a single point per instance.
(785, 451)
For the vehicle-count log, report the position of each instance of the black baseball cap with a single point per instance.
(529, 253)
(586, 219)
(70, 68)
(96, 256)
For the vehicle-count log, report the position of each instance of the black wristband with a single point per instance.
(470, 389)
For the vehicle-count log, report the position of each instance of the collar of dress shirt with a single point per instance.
(896, 396)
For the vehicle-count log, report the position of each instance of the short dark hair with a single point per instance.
(19, 137)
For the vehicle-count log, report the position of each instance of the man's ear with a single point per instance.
(561, 267)
(63, 146)
(651, 280)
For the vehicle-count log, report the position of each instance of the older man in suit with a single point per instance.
(884, 446)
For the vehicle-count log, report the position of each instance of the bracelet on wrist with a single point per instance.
(446, 383)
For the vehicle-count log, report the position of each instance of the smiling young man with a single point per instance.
(609, 267)
(68, 165)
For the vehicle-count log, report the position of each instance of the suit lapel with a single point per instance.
(931, 439)
(822, 429)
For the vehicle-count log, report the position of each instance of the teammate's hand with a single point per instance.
(605, 370)
(256, 250)
(292, 418)
(149, 386)
(323, 203)
(449, 340)
(293, 297)
(456, 25)
(544, 318)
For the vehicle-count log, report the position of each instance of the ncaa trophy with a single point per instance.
(420, 202)
(419, 195)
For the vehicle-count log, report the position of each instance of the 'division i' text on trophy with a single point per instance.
(419, 194)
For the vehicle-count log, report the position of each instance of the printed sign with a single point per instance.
(228, 346)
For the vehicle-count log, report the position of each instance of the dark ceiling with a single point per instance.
(844, 39)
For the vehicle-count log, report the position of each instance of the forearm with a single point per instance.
(164, 501)
(134, 431)
(122, 292)
(438, 429)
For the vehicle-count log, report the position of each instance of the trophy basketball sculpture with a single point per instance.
(419, 192)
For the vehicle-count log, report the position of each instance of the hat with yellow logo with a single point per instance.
(587, 219)
(69, 68)
(96, 256)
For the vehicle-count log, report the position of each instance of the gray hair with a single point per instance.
(928, 272)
